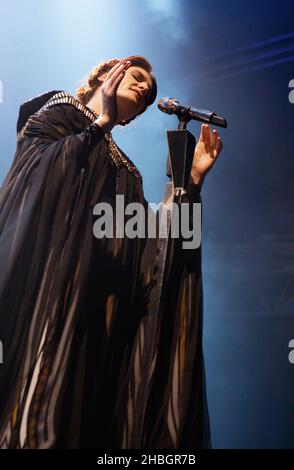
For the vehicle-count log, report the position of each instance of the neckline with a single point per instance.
(65, 97)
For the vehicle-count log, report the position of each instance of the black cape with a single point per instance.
(74, 308)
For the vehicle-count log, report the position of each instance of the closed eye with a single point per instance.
(135, 77)
(142, 78)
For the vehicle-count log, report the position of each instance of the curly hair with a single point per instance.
(92, 81)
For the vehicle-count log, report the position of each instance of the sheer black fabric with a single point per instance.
(74, 308)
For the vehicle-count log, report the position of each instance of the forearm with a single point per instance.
(195, 186)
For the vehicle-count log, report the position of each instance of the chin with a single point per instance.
(128, 105)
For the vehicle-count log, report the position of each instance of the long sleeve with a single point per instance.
(58, 139)
(176, 414)
(50, 126)
(165, 400)
(45, 227)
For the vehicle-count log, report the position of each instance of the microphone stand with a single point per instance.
(168, 262)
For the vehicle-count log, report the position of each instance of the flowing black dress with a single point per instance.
(74, 308)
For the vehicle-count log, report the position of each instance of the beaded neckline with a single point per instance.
(116, 156)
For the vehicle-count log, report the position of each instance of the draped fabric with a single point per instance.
(74, 309)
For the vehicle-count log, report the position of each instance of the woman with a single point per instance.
(74, 308)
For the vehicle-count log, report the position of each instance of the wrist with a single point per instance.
(196, 181)
(104, 124)
(196, 178)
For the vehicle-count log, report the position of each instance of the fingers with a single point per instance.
(114, 68)
(203, 132)
(207, 135)
(212, 139)
(215, 137)
(116, 81)
(218, 145)
(117, 72)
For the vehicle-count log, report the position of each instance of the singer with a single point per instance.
(74, 308)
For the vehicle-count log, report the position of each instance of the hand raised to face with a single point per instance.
(108, 114)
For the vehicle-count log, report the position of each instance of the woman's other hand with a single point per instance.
(206, 152)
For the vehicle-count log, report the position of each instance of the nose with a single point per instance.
(144, 87)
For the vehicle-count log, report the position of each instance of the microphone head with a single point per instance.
(167, 105)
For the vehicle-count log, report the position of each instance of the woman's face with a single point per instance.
(132, 92)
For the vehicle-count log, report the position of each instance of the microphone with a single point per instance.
(172, 106)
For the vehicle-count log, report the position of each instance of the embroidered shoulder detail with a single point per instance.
(119, 159)
(116, 156)
(64, 97)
